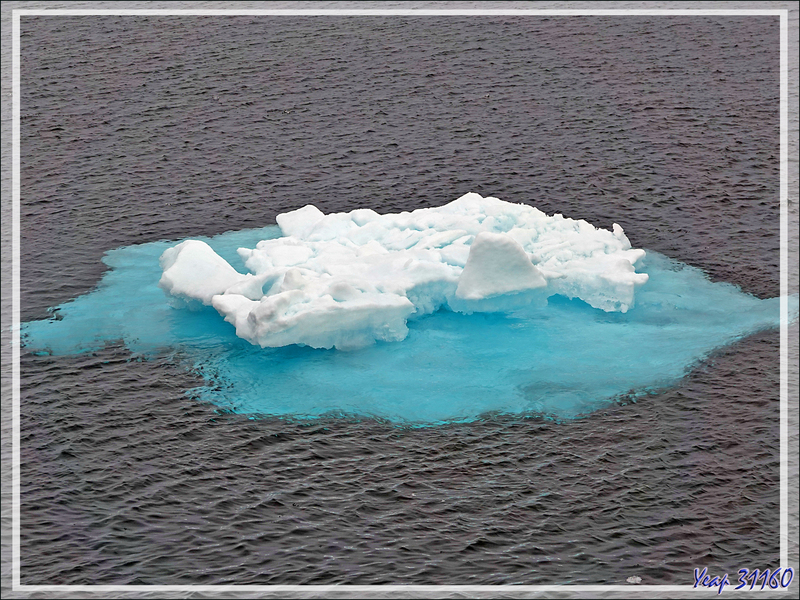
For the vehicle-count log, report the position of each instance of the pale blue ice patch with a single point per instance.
(561, 360)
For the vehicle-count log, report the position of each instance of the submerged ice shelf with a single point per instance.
(504, 343)
(346, 280)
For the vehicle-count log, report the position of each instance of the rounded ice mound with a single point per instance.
(497, 265)
(193, 270)
(345, 280)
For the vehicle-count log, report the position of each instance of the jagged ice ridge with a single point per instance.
(345, 280)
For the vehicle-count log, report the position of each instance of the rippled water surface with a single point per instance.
(138, 129)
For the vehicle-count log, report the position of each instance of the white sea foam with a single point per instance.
(347, 279)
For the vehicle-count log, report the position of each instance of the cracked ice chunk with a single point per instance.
(346, 279)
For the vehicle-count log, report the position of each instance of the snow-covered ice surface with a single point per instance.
(346, 280)
(478, 307)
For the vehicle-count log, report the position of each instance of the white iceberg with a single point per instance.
(345, 280)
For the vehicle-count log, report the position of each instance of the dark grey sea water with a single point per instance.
(137, 129)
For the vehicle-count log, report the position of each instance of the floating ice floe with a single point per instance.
(561, 358)
(345, 280)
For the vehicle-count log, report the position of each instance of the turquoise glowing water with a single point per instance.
(561, 360)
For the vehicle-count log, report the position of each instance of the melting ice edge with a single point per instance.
(444, 314)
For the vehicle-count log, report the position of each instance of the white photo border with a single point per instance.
(386, 590)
